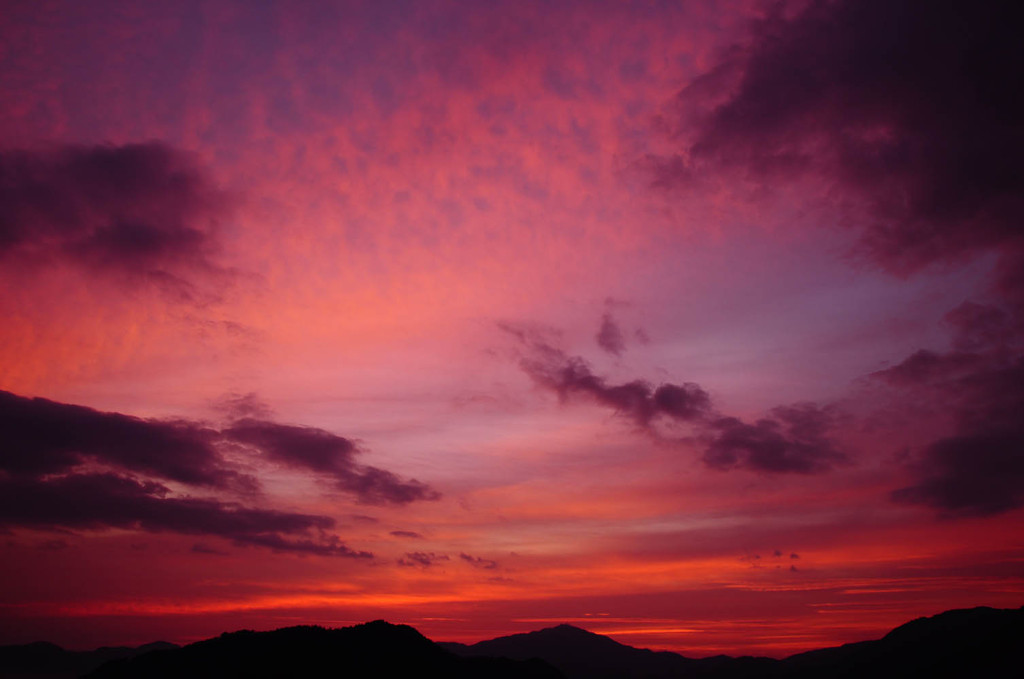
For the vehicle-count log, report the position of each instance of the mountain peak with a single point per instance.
(566, 628)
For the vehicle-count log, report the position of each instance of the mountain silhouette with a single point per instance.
(977, 642)
(373, 649)
(579, 653)
(43, 659)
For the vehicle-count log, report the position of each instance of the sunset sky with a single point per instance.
(698, 324)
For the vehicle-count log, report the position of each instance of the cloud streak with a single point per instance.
(45, 437)
(572, 377)
(794, 439)
(328, 455)
(479, 562)
(99, 501)
(51, 453)
(421, 559)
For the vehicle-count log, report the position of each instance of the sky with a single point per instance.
(698, 324)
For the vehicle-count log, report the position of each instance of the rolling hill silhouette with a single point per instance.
(43, 659)
(977, 642)
(373, 649)
(580, 654)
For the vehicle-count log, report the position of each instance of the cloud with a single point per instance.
(478, 562)
(979, 469)
(52, 452)
(329, 455)
(98, 501)
(975, 474)
(609, 336)
(915, 114)
(977, 327)
(421, 559)
(571, 377)
(406, 534)
(45, 437)
(915, 120)
(793, 439)
(239, 406)
(140, 209)
(930, 367)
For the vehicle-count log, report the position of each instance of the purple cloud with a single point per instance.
(979, 470)
(139, 209)
(45, 437)
(572, 377)
(916, 119)
(478, 562)
(793, 439)
(51, 450)
(329, 455)
(610, 337)
(99, 501)
(917, 113)
(421, 559)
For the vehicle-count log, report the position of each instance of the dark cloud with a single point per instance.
(610, 337)
(479, 562)
(977, 327)
(793, 439)
(329, 455)
(571, 377)
(406, 534)
(239, 406)
(44, 437)
(931, 367)
(50, 454)
(915, 119)
(421, 559)
(916, 112)
(99, 501)
(138, 209)
(972, 474)
(979, 469)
